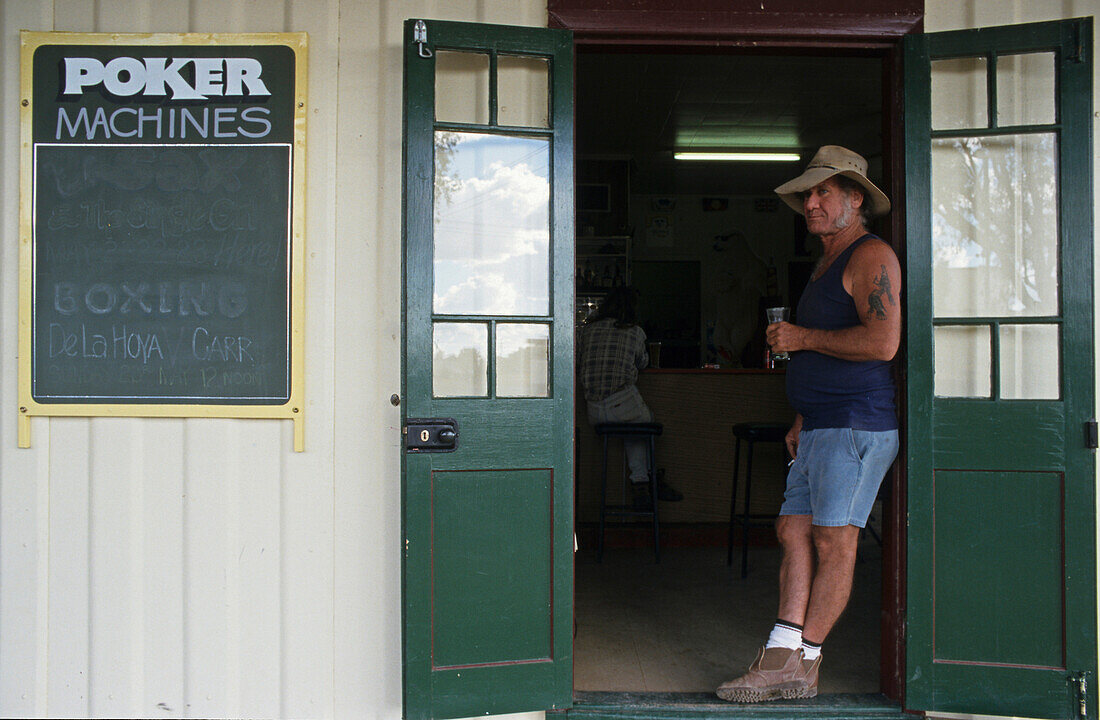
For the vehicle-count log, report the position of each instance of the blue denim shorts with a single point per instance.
(837, 474)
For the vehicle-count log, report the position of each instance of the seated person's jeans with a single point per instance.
(625, 406)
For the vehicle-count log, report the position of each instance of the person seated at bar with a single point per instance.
(612, 349)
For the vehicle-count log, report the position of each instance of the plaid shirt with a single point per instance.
(610, 357)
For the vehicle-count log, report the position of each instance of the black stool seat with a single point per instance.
(751, 433)
(761, 432)
(627, 431)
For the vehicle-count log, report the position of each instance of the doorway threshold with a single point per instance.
(705, 706)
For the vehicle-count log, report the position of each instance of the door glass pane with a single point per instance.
(1030, 360)
(523, 360)
(1025, 89)
(523, 91)
(459, 360)
(995, 226)
(461, 87)
(492, 224)
(959, 97)
(962, 359)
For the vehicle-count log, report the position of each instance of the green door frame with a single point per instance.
(958, 445)
(487, 571)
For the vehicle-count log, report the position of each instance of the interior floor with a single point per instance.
(690, 622)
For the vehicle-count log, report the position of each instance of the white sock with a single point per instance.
(785, 635)
(810, 651)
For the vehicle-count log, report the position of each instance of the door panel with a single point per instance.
(1001, 614)
(488, 344)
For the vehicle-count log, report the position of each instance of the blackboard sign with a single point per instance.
(162, 270)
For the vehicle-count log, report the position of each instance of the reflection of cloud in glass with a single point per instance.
(471, 291)
(492, 220)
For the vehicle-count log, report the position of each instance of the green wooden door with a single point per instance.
(488, 344)
(1001, 614)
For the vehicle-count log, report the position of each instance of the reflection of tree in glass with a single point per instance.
(995, 208)
(446, 181)
(458, 374)
(522, 369)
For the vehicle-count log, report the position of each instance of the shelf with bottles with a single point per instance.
(603, 263)
(600, 274)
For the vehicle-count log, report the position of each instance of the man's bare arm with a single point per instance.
(873, 278)
(791, 438)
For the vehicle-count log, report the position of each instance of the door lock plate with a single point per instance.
(431, 435)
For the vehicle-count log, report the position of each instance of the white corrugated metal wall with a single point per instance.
(200, 567)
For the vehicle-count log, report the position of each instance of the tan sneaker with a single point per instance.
(776, 673)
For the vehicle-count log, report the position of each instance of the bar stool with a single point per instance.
(630, 431)
(751, 433)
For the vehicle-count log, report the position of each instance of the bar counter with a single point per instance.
(698, 408)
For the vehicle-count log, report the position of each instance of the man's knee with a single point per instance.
(793, 530)
(835, 542)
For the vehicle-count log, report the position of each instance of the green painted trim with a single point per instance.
(1000, 40)
(1000, 320)
(705, 706)
(995, 131)
(918, 234)
(1075, 160)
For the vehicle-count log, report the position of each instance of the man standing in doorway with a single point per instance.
(845, 433)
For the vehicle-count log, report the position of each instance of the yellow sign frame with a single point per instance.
(294, 408)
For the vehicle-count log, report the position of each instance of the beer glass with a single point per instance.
(778, 314)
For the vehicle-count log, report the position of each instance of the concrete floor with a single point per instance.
(690, 622)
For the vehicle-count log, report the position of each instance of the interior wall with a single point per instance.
(200, 567)
(734, 247)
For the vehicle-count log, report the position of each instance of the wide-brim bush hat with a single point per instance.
(833, 160)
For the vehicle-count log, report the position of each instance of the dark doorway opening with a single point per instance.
(635, 107)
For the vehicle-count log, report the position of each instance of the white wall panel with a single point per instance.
(24, 499)
(156, 525)
(173, 567)
(69, 571)
(308, 499)
(367, 459)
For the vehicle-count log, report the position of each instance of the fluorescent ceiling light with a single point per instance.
(738, 156)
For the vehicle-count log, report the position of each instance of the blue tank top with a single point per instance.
(829, 392)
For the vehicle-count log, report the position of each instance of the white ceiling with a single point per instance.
(644, 106)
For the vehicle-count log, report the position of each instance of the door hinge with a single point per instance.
(1077, 47)
(1091, 440)
(420, 37)
(1082, 683)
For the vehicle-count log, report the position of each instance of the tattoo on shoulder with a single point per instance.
(882, 290)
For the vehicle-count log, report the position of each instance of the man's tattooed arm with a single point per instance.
(882, 289)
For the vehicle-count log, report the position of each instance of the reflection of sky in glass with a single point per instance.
(492, 224)
(994, 226)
